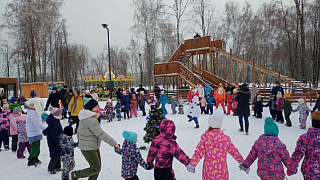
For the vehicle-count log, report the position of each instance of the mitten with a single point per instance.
(243, 168)
(150, 166)
(191, 168)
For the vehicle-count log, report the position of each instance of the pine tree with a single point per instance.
(153, 123)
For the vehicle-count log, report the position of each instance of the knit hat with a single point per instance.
(91, 104)
(216, 119)
(235, 91)
(287, 95)
(301, 101)
(78, 91)
(87, 91)
(6, 106)
(315, 116)
(130, 136)
(55, 111)
(55, 88)
(13, 100)
(23, 117)
(86, 100)
(65, 86)
(228, 93)
(70, 91)
(259, 97)
(68, 130)
(44, 116)
(16, 110)
(270, 127)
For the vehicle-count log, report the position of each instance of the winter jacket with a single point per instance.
(229, 98)
(317, 106)
(271, 153)
(33, 124)
(143, 101)
(75, 105)
(53, 132)
(4, 121)
(118, 94)
(210, 101)
(63, 92)
(33, 94)
(200, 91)
(234, 102)
(125, 101)
(180, 102)
(118, 108)
(271, 104)
(194, 108)
(22, 132)
(243, 99)
(222, 95)
(12, 106)
(141, 89)
(207, 90)
(258, 106)
(109, 109)
(303, 111)
(287, 106)
(253, 92)
(134, 104)
(163, 100)
(67, 98)
(95, 96)
(214, 146)
(54, 100)
(13, 118)
(279, 104)
(190, 96)
(67, 145)
(164, 147)
(131, 158)
(203, 102)
(173, 103)
(309, 149)
(157, 90)
(277, 89)
(90, 133)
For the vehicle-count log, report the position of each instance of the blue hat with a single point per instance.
(13, 99)
(54, 88)
(130, 136)
(270, 127)
(91, 104)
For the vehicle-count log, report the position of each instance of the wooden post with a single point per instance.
(198, 64)
(224, 65)
(178, 82)
(279, 77)
(210, 57)
(231, 73)
(237, 80)
(217, 69)
(264, 75)
(173, 81)
(243, 72)
(259, 79)
(166, 83)
(253, 71)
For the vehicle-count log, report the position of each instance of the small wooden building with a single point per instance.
(10, 86)
(42, 88)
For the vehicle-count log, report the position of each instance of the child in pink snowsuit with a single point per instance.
(271, 153)
(214, 146)
(163, 148)
(133, 106)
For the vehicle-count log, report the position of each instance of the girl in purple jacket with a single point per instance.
(308, 146)
(163, 148)
(271, 153)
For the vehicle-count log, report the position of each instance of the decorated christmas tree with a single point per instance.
(153, 123)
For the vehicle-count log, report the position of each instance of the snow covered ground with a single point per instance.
(188, 137)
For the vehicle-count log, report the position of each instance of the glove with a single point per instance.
(243, 168)
(191, 168)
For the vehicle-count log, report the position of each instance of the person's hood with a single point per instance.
(84, 114)
(268, 138)
(216, 132)
(51, 119)
(167, 128)
(244, 90)
(129, 146)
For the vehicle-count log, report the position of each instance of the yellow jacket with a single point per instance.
(77, 107)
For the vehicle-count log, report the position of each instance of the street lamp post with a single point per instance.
(105, 26)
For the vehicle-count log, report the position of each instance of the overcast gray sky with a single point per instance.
(84, 19)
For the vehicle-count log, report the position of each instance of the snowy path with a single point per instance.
(188, 137)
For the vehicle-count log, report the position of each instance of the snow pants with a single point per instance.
(55, 163)
(14, 142)
(94, 160)
(67, 166)
(163, 174)
(4, 137)
(230, 108)
(180, 109)
(279, 116)
(133, 111)
(163, 107)
(35, 150)
(22, 147)
(220, 101)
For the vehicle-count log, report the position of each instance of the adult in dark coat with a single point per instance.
(277, 89)
(317, 106)
(141, 89)
(243, 110)
(53, 132)
(157, 91)
(125, 102)
(119, 94)
(53, 99)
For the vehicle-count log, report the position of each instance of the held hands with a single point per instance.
(150, 166)
(117, 146)
(243, 168)
(191, 168)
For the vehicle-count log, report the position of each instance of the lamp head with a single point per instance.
(104, 26)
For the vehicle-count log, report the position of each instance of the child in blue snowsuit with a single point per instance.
(67, 154)
(131, 157)
(210, 104)
(118, 110)
(272, 107)
(163, 100)
(174, 104)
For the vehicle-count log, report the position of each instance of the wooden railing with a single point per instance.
(177, 53)
(166, 68)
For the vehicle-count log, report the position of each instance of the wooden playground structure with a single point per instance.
(201, 59)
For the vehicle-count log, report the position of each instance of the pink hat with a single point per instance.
(23, 117)
(55, 111)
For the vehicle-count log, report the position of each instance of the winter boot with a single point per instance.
(72, 176)
(31, 162)
(52, 172)
(241, 125)
(37, 161)
(247, 127)
(197, 126)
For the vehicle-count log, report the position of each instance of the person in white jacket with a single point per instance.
(34, 130)
(200, 89)
(194, 109)
(94, 95)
